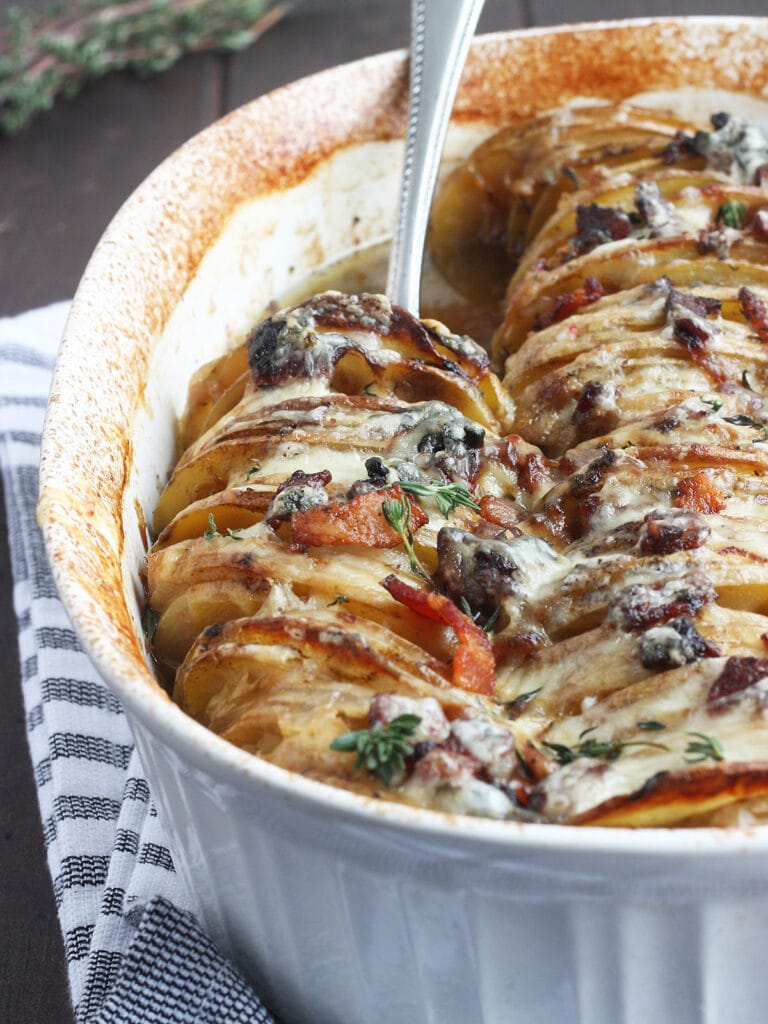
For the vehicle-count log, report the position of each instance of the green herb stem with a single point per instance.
(397, 513)
(382, 749)
(447, 497)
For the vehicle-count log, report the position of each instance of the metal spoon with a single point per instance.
(441, 31)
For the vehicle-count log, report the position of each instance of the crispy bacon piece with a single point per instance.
(699, 305)
(359, 521)
(755, 312)
(592, 474)
(474, 667)
(664, 533)
(571, 302)
(596, 411)
(697, 493)
(534, 472)
(640, 605)
(596, 225)
(302, 479)
(737, 675)
(499, 511)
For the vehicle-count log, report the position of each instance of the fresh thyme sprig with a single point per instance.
(44, 56)
(447, 496)
(703, 748)
(603, 750)
(714, 403)
(397, 513)
(746, 421)
(213, 530)
(382, 749)
(733, 214)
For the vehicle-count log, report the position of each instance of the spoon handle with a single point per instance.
(441, 31)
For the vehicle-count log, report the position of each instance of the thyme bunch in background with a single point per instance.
(44, 56)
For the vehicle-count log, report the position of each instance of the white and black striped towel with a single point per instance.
(134, 952)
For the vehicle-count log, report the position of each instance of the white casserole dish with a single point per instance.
(343, 910)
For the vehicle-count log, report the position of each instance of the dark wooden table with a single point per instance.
(60, 183)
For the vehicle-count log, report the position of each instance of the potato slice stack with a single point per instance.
(634, 349)
(558, 586)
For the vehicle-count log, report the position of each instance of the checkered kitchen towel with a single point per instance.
(134, 951)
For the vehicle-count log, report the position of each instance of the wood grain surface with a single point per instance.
(60, 182)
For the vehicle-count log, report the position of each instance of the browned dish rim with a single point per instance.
(150, 253)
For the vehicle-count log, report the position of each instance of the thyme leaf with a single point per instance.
(744, 421)
(603, 750)
(703, 748)
(397, 512)
(650, 725)
(715, 403)
(339, 599)
(733, 214)
(382, 749)
(514, 707)
(447, 496)
(213, 530)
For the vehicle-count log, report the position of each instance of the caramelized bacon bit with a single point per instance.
(673, 644)
(596, 225)
(359, 521)
(681, 145)
(693, 332)
(663, 533)
(737, 675)
(534, 472)
(699, 305)
(690, 333)
(474, 667)
(596, 411)
(513, 650)
(755, 312)
(302, 479)
(571, 302)
(592, 475)
(641, 605)
(499, 511)
(697, 493)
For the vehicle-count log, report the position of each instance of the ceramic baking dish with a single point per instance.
(344, 910)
